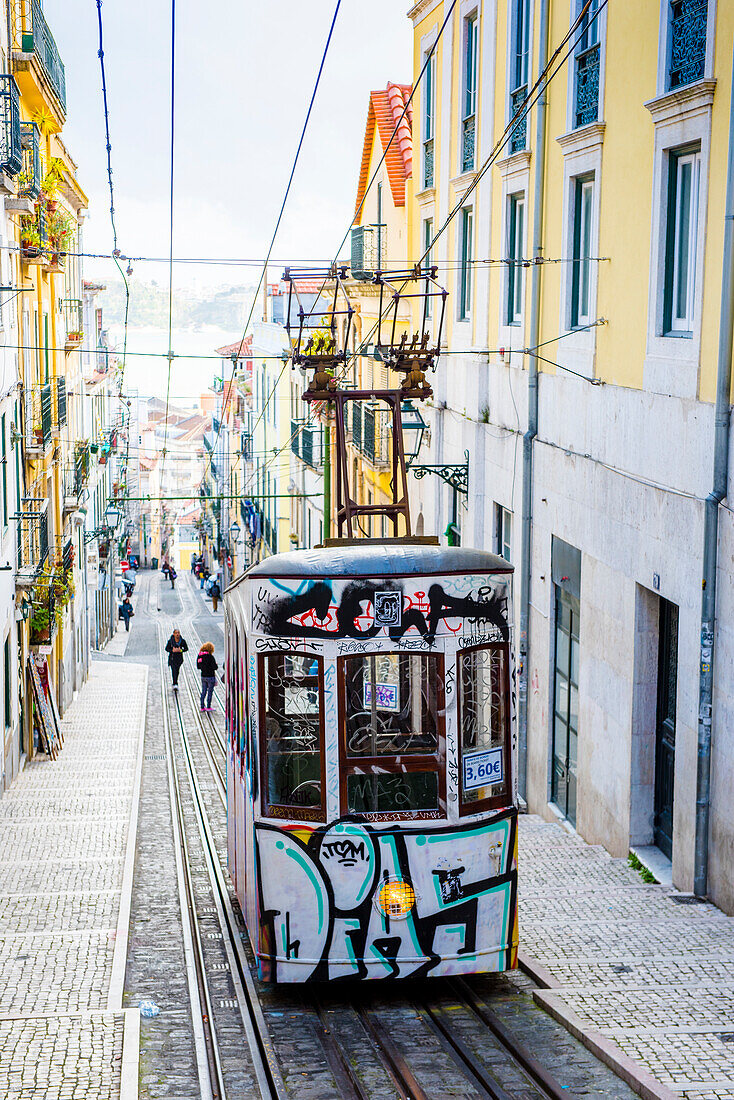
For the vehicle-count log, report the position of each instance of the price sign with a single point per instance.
(482, 769)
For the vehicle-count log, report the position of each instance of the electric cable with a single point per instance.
(170, 229)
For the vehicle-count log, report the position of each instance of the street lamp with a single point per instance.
(414, 427)
(234, 530)
(112, 517)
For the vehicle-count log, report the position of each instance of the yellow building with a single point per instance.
(47, 206)
(379, 242)
(595, 239)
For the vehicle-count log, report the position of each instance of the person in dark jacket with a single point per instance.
(165, 569)
(126, 610)
(175, 648)
(207, 665)
(215, 592)
(172, 574)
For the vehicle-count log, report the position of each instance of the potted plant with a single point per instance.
(24, 181)
(40, 625)
(75, 336)
(30, 239)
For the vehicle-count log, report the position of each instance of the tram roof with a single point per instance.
(395, 559)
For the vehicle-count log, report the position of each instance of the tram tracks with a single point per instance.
(190, 816)
(415, 1041)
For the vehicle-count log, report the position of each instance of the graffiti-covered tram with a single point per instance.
(372, 820)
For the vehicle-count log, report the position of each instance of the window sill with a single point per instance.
(582, 140)
(428, 194)
(684, 102)
(463, 179)
(688, 335)
(516, 162)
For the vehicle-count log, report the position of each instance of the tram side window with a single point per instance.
(393, 707)
(292, 734)
(484, 692)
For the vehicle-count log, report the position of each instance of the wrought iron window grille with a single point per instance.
(31, 146)
(519, 132)
(468, 129)
(687, 50)
(368, 251)
(428, 163)
(36, 39)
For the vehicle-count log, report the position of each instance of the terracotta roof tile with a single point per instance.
(385, 111)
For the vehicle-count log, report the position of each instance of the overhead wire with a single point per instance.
(170, 227)
(538, 88)
(285, 198)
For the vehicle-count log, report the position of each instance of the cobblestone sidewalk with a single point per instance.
(66, 859)
(638, 964)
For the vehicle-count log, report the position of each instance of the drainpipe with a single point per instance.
(711, 529)
(532, 428)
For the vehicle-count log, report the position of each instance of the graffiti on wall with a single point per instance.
(365, 609)
(320, 895)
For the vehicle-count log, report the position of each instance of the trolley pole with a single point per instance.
(327, 476)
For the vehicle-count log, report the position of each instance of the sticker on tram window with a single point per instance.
(387, 696)
(482, 769)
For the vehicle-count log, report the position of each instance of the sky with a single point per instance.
(244, 74)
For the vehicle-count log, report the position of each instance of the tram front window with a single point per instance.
(292, 734)
(484, 694)
(393, 728)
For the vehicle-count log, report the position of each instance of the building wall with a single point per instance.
(623, 458)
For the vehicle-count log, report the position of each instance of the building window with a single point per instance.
(686, 42)
(503, 532)
(292, 736)
(681, 241)
(429, 94)
(484, 697)
(4, 462)
(586, 66)
(565, 703)
(8, 684)
(469, 105)
(519, 68)
(465, 269)
(515, 244)
(428, 259)
(583, 200)
(392, 746)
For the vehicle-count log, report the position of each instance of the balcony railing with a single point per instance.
(60, 402)
(47, 415)
(356, 424)
(519, 133)
(687, 42)
(468, 130)
(73, 312)
(587, 86)
(369, 248)
(32, 549)
(11, 151)
(37, 39)
(30, 183)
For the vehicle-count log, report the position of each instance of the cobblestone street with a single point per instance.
(642, 966)
(66, 855)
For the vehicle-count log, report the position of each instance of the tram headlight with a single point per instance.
(395, 899)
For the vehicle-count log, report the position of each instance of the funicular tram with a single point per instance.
(372, 808)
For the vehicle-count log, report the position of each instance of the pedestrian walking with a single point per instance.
(172, 574)
(165, 569)
(175, 648)
(215, 592)
(208, 666)
(204, 575)
(126, 610)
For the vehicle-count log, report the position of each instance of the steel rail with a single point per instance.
(201, 1002)
(267, 1071)
(514, 1046)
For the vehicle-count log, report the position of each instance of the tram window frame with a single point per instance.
(467, 809)
(287, 811)
(396, 764)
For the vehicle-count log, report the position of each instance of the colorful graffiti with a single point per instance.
(365, 608)
(320, 894)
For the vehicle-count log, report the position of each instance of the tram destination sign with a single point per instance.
(481, 769)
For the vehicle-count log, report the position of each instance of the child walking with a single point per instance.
(208, 666)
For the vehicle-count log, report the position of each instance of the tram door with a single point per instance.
(665, 727)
